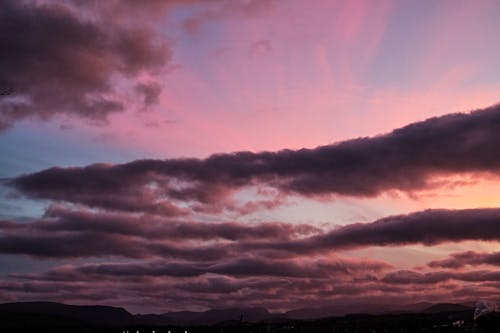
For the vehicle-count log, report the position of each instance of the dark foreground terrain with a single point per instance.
(54, 317)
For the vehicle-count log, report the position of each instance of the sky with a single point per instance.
(169, 155)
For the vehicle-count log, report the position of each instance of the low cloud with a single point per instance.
(239, 267)
(411, 277)
(471, 258)
(64, 232)
(429, 227)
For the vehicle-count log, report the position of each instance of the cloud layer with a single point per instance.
(278, 265)
(407, 159)
(197, 233)
(470, 258)
(69, 233)
(152, 225)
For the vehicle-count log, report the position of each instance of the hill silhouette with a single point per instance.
(93, 314)
(447, 307)
(419, 317)
(210, 317)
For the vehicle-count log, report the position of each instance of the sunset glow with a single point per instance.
(190, 155)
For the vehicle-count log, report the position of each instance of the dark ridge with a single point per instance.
(56, 318)
(210, 317)
(91, 314)
(447, 307)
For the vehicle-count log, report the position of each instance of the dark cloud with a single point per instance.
(458, 260)
(406, 159)
(302, 268)
(72, 233)
(239, 267)
(56, 61)
(224, 9)
(176, 286)
(83, 233)
(430, 227)
(149, 91)
(411, 277)
(227, 285)
(73, 244)
(59, 218)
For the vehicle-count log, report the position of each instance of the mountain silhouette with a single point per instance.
(209, 317)
(40, 316)
(95, 314)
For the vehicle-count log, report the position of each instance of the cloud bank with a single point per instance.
(160, 225)
(69, 233)
(407, 159)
